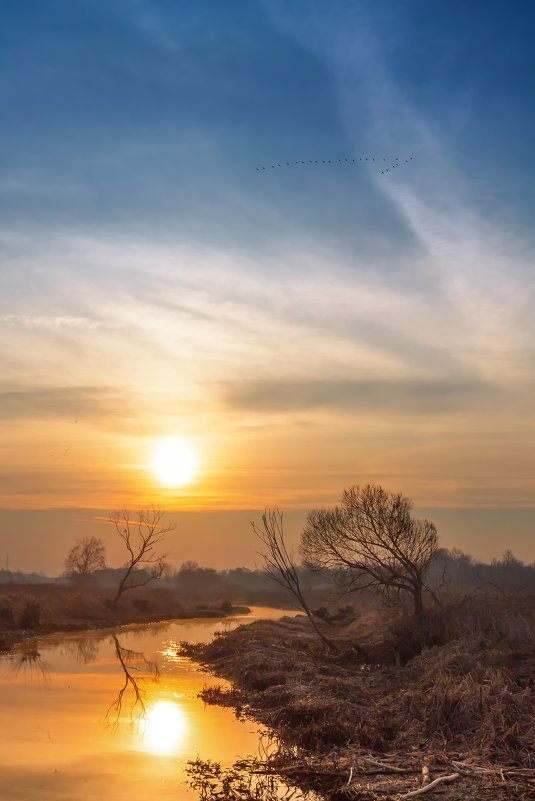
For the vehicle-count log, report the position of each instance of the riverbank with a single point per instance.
(37, 609)
(461, 711)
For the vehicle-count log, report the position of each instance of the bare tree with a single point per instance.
(279, 564)
(371, 541)
(85, 557)
(143, 537)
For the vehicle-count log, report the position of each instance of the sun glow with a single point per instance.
(165, 727)
(174, 462)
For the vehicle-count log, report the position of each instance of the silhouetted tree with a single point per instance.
(85, 557)
(142, 537)
(371, 541)
(509, 575)
(279, 564)
(196, 583)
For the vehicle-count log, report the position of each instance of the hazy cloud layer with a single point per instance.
(87, 403)
(392, 397)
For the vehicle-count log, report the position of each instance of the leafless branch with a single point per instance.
(279, 563)
(371, 541)
(85, 557)
(451, 778)
(142, 537)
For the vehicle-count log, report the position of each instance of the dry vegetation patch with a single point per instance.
(465, 706)
(27, 609)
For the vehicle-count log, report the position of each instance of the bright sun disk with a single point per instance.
(174, 462)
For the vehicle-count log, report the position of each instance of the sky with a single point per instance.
(301, 328)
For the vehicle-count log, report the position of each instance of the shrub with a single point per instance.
(31, 615)
(7, 616)
(142, 604)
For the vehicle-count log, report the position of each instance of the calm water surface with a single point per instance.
(113, 715)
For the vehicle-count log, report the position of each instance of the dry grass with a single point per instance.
(470, 697)
(42, 608)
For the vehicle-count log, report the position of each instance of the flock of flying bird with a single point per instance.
(392, 166)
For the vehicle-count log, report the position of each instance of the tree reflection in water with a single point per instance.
(137, 671)
(28, 660)
(83, 649)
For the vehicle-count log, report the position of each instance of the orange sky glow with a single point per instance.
(307, 257)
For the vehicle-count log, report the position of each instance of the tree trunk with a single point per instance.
(121, 587)
(418, 601)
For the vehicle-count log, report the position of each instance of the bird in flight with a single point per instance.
(393, 162)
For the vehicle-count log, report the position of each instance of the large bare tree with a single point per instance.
(143, 536)
(372, 541)
(85, 557)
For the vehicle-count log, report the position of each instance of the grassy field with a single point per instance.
(27, 609)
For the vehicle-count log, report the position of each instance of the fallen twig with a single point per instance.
(387, 767)
(510, 772)
(451, 778)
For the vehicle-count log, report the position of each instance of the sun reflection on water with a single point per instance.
(171, 653)
(165, 727)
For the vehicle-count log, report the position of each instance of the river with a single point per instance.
(68, 734)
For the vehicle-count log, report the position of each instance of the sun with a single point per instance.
(174, 462)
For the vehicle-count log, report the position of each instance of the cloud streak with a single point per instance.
(42, 403)
(350, 396)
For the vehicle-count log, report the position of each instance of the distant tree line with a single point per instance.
(451, 573)
(370, 543)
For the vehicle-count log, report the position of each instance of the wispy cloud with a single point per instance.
(218, 314)
(147, 18)
(378, 397)
(55, 322)
(473, 273)
(93, 403)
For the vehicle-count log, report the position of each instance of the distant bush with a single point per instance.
(226, 607)
(142, 604)
(31, 615)
(344, 614)
(323, 613)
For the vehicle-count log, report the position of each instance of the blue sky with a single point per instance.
(151, 113)
(343, 323)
